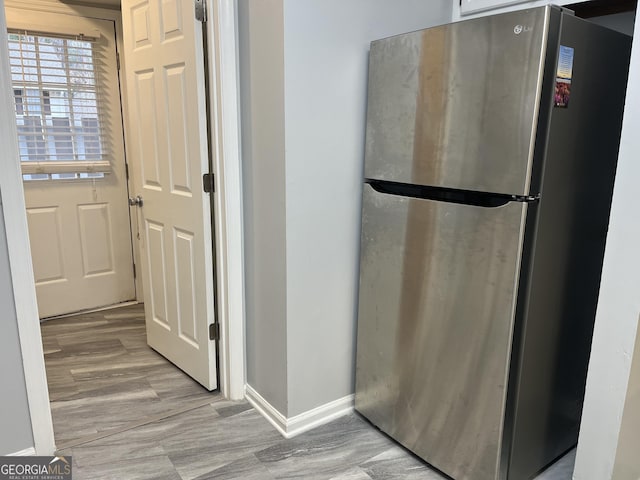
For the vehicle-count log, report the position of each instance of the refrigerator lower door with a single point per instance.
(437, 300)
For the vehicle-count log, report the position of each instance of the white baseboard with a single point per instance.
(27, 452)
(258, 402)
(320, 415)
(290, 427)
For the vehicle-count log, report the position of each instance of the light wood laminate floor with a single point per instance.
(102, 376)
(124, 412)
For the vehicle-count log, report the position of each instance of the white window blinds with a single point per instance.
(59, 105)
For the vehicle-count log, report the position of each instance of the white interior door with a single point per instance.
(164, 62)
(71, 147)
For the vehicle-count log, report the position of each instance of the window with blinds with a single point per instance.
(60, 112)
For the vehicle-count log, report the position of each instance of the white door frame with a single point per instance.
(222, 46)
(225, 131)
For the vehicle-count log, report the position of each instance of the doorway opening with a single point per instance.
(69, 114)
(222, 68)
(70, 137)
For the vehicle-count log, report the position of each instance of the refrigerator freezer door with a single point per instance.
(437, 299)
(456, 106)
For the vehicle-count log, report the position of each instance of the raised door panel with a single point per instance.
(140, 27)
(96, 239)
(147, 131)
(179, 153)
(157, 274)
(185, 268)
(48, 259)
(172, 27)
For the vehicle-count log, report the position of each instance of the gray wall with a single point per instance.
(326, 57)
(15, 422)
(303, 92)
(262, 115)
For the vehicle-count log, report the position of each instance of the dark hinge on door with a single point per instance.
(126, 170)
(135, 274)
(214, 331)
(208, 183)
(201, 10)
(117, 60)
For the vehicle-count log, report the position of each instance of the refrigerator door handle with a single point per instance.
(526, 198)
(449, 195)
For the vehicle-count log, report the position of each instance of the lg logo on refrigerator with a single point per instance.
(518, 29)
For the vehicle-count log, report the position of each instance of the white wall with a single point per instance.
(627, 465)
(536, 3)
(619, 303)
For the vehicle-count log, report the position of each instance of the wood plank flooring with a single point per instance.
(102, 375)
(106, 382)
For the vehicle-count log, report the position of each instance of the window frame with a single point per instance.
(44, 139)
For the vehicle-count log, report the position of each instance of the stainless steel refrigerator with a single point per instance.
(491, 149)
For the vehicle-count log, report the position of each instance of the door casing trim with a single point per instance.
(222, 37)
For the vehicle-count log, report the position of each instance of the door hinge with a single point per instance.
(208, 183)
(214, 331)
(118, 61)
(201, 10)
(135, 274)
(126, 170)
